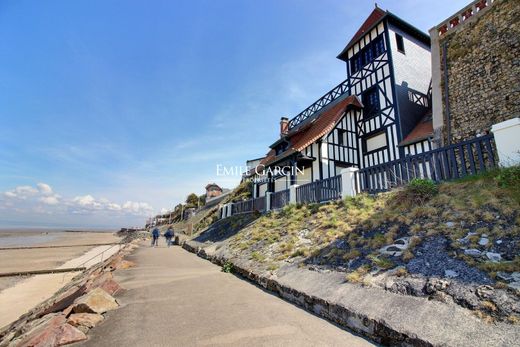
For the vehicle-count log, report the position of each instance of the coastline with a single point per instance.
(31, 290)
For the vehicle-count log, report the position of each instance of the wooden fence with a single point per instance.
(456, 161)
(279, 199)
(451, 162)
(319, 191)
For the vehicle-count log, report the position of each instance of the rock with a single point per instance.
(125, 264)
(106, 282)
(450, 224)
(485, 291)
(54, 332)
(84, 320)
(483, 241)
(397, 248)
(96, 301)
(498, 242)
(494, 256)
(514, 285)
(450, 273)
(65, 299)
(434, 284)
(473, 252)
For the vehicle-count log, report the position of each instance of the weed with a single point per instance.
(227, 267)
(381, 262)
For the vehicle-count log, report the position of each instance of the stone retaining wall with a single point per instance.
(483, 71)
(358, 322)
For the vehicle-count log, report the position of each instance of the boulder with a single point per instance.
(106, 282)
(52, 332)
(84, 321)
(65, 299)
(96, 301)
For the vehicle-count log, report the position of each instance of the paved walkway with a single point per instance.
(175, 298)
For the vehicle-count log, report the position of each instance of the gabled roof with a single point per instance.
(314, 130)
(422, 131)
(373, 20)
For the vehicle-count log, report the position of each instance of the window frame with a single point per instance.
(370, 113)
(371, 135)
(399, 43)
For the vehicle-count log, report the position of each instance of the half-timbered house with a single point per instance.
(379, 113)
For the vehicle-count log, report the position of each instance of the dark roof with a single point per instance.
(209, 185)
(422, 131)
(314, 130)
(374, 19)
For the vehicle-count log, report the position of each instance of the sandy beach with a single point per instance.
(19, 294)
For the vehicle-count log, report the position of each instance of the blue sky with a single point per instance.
(113, 110)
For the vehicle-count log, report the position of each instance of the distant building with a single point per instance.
(213, 190)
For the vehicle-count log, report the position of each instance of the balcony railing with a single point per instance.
(326, 99)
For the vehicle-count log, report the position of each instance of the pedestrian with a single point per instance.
(169, 235)
(155, 237)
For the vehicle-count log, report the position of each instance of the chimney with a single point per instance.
(284, 126)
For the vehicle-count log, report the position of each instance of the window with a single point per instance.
(379, 46)
(400, 43)
(355, 63)
(370, 101)
(367, 55)
(375, 142)
(341, 137)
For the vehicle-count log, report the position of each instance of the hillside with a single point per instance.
(457, 242)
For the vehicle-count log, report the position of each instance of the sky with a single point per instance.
(111, 111)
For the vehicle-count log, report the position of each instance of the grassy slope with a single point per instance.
(349, 233)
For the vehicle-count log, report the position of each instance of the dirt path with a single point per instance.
(174, 298)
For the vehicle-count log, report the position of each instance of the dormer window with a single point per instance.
(282, 147)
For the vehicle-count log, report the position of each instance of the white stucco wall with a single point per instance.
(413, 67)
(281, 184)
(305, 177)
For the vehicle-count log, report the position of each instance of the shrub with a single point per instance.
(509, 178)
(421, 190)
(227, 267)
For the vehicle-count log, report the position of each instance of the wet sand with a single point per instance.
(45, 258)
(20, 294)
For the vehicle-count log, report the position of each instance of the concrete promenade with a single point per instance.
(175, 298)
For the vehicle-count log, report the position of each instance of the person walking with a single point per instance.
(169, 235)
(155, 237)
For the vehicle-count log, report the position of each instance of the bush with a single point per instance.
(509, 178)
(421, 190)
(227, 267)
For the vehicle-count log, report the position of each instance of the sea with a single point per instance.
(26, 237)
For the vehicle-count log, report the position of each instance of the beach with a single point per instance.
(19, 294)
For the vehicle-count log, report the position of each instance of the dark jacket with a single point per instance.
(169, 233)
(155, 232)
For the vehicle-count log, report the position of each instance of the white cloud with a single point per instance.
(42, 199)
(21, 192)
(50, 200)
(44, 188)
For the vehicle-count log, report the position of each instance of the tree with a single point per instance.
(192, 200)
(202, 200)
